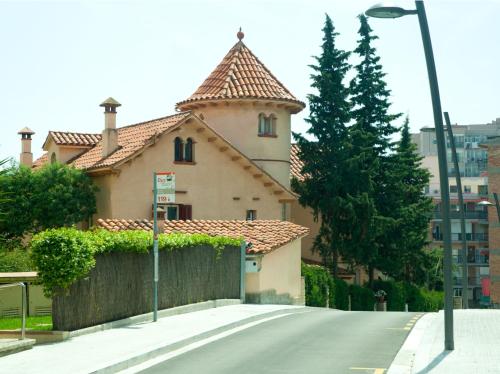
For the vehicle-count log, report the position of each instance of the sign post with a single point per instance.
(163, 192)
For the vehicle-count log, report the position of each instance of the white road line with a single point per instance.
(192, 346)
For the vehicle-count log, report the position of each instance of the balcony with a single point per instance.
(470, 237)
(473, 281)
(479, 215)
(473, 259)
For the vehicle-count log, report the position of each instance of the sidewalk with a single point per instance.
(116, 349)
(477, 345)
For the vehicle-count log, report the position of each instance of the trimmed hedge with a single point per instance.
(318, 285)
(341, 295)
(64, 255)
(418, 299)
(361, 298)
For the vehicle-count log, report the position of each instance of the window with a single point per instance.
(53, 158)
(467, 189)
(251, 215)
(267, 125)
(482, 190)
(188, 152)
(453, 189)
(175, 212)
(178, 153)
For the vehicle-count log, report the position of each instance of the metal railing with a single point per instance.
(23, 305)
(470, 237)
(472, 281)
(472, 259)
(468, 215)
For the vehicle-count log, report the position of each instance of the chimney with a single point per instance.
(110, 134)
(26, 157)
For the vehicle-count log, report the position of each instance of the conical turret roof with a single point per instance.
(241, 75)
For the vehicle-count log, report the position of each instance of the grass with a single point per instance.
(32, 323)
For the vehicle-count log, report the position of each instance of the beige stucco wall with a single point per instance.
(238, 123)
(63, 154)
(216, 186)
(278, 281)
(304, 217)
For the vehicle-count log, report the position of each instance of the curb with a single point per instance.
(149, 316)
(404, 362)
(15, 346)
(145, 356)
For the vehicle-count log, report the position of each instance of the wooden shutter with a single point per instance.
(185, 212)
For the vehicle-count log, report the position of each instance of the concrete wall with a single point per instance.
(216, 186)
(279, 280)
(238, 123)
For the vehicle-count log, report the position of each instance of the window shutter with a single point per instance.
(185, 212)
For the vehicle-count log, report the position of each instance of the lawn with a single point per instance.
(32, 323)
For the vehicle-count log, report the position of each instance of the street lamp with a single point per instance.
(387, 10)
(487, 203)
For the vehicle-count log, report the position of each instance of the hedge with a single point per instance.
(318, 285)
(361, 298)
(341, 295)
(418, 299)
(64, 255)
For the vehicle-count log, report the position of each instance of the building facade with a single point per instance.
(473, 164)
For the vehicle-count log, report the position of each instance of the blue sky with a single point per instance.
(60, 59)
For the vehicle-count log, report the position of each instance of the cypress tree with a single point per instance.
(371, 130)
(324, 188)
(406, 257)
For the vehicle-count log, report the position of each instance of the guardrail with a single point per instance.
(470, 237)
(468, 215)
(23, 303)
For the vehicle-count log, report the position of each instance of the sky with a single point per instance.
(60, 59)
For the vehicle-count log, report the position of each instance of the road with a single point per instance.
(316, 341)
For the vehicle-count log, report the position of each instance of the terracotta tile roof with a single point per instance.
(241, 75)
(75, 138)
(131, 139)
(295, 163)
(40, 161)
(265, 235)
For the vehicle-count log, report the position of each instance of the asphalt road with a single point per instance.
(317, 341)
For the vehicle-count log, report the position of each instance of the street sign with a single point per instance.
(165, 184)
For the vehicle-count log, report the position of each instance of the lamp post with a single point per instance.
(391, 11)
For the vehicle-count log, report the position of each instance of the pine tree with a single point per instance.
(406, 257)
(324, 188)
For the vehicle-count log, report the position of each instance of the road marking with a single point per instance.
(375, 370)
(195, 345)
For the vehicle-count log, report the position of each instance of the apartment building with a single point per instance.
(473, 166)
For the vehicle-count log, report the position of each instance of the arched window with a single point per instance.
(262, 124)
(188, 152)
(178, 153)
(272, 120)
(267, 125)
(53, 158)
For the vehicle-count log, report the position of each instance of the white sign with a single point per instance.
(165, 188)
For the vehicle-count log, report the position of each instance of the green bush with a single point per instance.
(361, 298)
(341, 294)
(318, 284)
(65, 255)
(62, 256)
(15, 260)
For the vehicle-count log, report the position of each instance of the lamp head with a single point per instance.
(387, 10)
(484, 203)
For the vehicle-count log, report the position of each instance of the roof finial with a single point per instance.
(240, 35)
